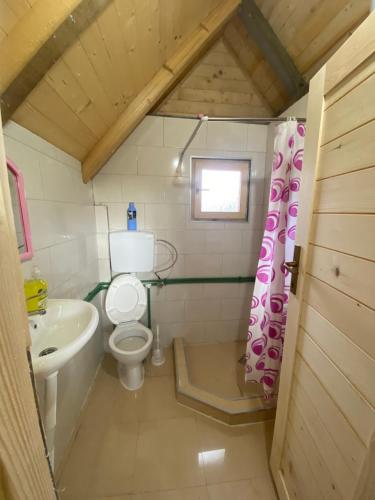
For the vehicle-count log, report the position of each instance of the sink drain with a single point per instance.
(47, 350)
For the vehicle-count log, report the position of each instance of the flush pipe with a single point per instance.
(49, 424)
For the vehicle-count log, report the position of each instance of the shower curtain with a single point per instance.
(271, 291)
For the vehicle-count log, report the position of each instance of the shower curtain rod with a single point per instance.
(258, 120)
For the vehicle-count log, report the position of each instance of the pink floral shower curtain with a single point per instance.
(271, 292)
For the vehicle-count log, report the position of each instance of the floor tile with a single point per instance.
(158, 400)
(261, 489)
(167, 455)
(159, 371)
(113, 468)
(215, 368)
(232, 453)
(199, 493)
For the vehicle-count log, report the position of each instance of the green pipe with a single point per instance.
(171, 281)
(148, 307)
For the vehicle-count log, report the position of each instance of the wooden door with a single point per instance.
(325, 420)
(24, 469)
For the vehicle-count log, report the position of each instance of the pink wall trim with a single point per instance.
(28, 254)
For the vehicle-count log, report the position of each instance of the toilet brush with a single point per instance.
(158, 357)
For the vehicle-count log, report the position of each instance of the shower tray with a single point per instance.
(234, 403)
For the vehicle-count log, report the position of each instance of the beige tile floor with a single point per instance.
(215, 368)
(143, 445)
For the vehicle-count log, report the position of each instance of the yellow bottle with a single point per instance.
(36, 292)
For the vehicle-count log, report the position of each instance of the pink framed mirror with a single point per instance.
(20, 212)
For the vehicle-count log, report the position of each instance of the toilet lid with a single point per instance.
(126, 299)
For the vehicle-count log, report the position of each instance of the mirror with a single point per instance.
(20, 213)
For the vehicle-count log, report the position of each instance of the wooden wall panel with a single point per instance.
(354, 319)
(216, 86)
(332, 405)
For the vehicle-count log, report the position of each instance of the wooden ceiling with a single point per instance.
(107, 74)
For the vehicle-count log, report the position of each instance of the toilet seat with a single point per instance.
(127, 330)
(126, 299)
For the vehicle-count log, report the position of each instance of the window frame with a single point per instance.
(214, 163)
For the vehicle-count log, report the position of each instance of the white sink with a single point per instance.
(66, 327)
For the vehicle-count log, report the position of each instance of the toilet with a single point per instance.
(126, 302)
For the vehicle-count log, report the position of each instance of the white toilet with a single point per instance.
(126, 303)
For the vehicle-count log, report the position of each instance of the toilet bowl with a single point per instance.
(130, 341)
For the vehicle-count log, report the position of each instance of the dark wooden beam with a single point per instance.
(274, 52)
(48, 53)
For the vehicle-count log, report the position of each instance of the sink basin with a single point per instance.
(60, 334)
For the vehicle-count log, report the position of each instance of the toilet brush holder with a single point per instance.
(158, 357)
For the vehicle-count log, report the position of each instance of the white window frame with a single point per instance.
(241, 165)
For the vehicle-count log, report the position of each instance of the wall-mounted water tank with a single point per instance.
(131, 251)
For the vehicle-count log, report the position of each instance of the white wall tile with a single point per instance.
(257, 137)
(124, 161)
(212, 248)
(157, 161)
(101, 217)
(227, 136)
(169, 312)
(203, 265)
(143, 189)
(202, 310)
(108, 188)
(239, 264)
(234, 308)
(149, 132)
(223, 241)
(104, 270)
(63, 231)
(103, 246)
(178, 131)
(162, 216)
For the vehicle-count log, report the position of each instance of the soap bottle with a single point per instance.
(132, 217)
(36, 292)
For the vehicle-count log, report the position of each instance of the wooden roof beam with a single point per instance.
(273, 50)
(158, 87)
(36, 42)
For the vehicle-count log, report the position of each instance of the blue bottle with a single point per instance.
(132, 217)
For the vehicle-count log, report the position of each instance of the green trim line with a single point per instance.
(104, 285)
(171, 281)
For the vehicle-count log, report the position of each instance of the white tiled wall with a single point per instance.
(142, 170)
(63, 232)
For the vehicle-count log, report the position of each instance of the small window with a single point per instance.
(220, 189)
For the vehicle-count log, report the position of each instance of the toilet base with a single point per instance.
(131, 377)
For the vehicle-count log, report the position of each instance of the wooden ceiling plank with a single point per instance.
(344, 20)
(148, 37)
(33, 120)
(190, 108)
(126, 12)
(96, 51)
(62, 80)
(162, 83)
(8, 18)
(311, 27)
(79, 64)
(19, 7)
(302, 12)
(110, 29)
(37, 42)
(275, 53)
(44, 98)
(265, 103)
(206, 83)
